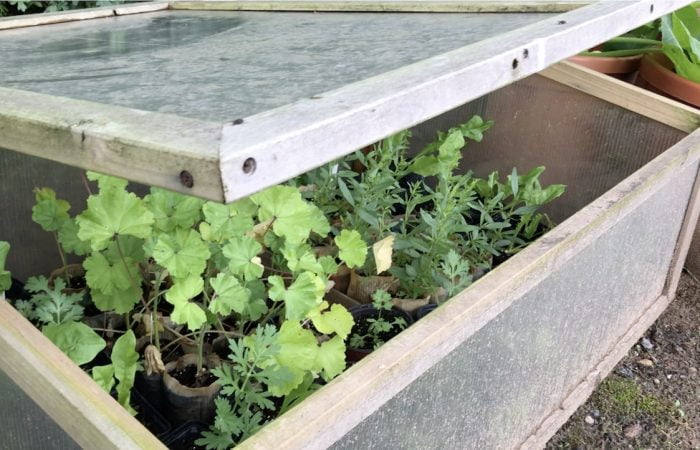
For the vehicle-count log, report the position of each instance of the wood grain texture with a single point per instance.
(31, 20)
(497, 6)
(626, 95)
(86, 412)
(293, 139)
(141, 146)
(339, 406)
(580, 393)
(685, 238)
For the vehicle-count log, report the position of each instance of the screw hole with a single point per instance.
(515, 63)
(651, 9)
(186, 179)
(561, 22)
(237, 122)
(526, 53)
(249, 166)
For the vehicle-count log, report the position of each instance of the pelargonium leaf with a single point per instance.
(335, 320)
(105, 182)
(182, 253)
(48, 211)
(108, 276)
(352, 249)
(75, 339)
(119, 301)
(230, 295)
(304, 294)
(297, 353)
(242, 253)
(113, 212)
(330, 359)
(172, 210)
(68, 237)
(186, 312)
(300, 257)
(227, 221)
(294, 218)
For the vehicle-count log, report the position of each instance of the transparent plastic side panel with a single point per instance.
(25, 425)
(493, 390)
(221, 65)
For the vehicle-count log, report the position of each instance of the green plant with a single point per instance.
(5, 277)
(59, 315)
(378, 327)
(122, 371)
(636, 42)
(681, 41)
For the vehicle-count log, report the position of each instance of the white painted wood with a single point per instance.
(290, 140)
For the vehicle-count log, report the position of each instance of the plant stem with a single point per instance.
(128, 272)
(85, 183)
(633, 40)
(63, 256)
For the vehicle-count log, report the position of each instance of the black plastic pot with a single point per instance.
(362, 312)
(425, 310)
(184, 436)
(149, 416)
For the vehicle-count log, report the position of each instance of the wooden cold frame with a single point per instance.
(365, 387)
(281, 143)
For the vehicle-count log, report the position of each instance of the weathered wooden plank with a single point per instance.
(685, 238)
(31, 20)
(581, 392)
(86, 412)
(450, 6)
(334, 410)
(276, 145)
(145, 147)
(626, 95)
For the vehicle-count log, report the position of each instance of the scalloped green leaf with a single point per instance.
(242, 253)
(68, 237)
(330, 359)
(48, 211)
(293, 217)
(110, 276)
(185, 311)
(297, 353)
(303, 295)
(352, 249)
(172, 210)
(230, 295)
(119, 301)
(105, 182)
(337, 319)
(182, 253)
(227, 221)
(75, 339)
(113, 212)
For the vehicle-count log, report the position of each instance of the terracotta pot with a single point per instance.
(609, 65)
(657, 71)
(188, 403)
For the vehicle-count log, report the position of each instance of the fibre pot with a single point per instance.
(657, 71)
(362, 287)
(73, 274)
(183, 401)
(363, 312)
